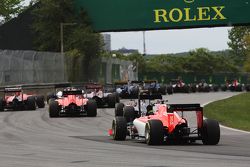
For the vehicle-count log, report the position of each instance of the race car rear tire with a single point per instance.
(129, 113)
(31, 103)
(50, 96)
(40, 101)
(119, 128)
(53, 109)
(117, 98)
(154, 132)
(170, 90)
(119, 109)
(1, 104)
(210, 132)
(111, 100)
(91, 108)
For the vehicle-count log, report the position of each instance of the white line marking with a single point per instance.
(225, 127)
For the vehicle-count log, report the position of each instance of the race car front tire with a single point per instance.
(53, 109)
(210, 132)
(31, 103)
(154, 132)
(91, 108)
(40, 101)
(119, 109)
(111, 100)
(1, 104)
(129, 113)
(119, 128)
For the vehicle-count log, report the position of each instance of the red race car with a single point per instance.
(72, 102)
(166, 124)
(15, 99)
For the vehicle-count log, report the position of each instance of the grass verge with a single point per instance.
(233, 112)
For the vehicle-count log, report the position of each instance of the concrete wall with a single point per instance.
(26, 67)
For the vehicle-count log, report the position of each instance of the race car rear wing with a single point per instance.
(150, 97)
(184, 107)
(9, 90)
(93, 86)
(72, 92)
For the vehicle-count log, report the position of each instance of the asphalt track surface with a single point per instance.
(32, 139)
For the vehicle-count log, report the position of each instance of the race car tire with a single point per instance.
(111, 100)
(1, 104)
(31, 103)
(129, 113)
(40, 101)
(170, 90)
(186, 89)
(193, 88)
(91, 108)
(154, 132)
(119, 128)
(162, 90)
(50, 96)
(238, 88)
(119, 109)
(210, 132)
(117, 97)
(224, 88)
(216, 88)
(248, 88)
(53, 109)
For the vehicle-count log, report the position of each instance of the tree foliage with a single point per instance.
(81, 44)
(10, 8)
(237, 42)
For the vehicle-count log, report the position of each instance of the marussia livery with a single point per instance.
(165, 125)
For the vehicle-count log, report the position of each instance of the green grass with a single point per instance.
(233, 112)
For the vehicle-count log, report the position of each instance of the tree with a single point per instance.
(82, 45)
(247, 62)
(9, 9)
(237, 42)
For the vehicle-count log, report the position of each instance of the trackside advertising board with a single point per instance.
(130, 15)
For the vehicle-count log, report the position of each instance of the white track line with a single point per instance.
(225, 127)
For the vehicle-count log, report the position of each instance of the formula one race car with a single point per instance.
(232, 85)
(203, 86)
(15, 99)
(179, 86)
(128, 90)
(166, 124)
(72, 102)
(101, 96)
(154, 87)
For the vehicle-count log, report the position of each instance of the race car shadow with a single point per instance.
(132, 142)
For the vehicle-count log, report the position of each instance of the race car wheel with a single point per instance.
(248, 88)
(170, 90)
(40, 101)
(91, 108)
(163, 90)
(117, 98)
(119, 109)
(224, 88)
(119, 128)
(216, 88)
(210, 132)
(154, 132)
(31, 103)
(53, 109)
(111, 100)
(129, 113)
(1, 104)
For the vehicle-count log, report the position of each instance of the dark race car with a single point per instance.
(232, 85)
(203, 86)
(103, 97)
(16, 99)
(128, 90)
(154, 87)
(178, 86)
(164, 123)
(72, 103)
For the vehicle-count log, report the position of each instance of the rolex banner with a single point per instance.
(130, 15)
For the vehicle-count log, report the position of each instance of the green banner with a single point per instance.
(129, 15)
